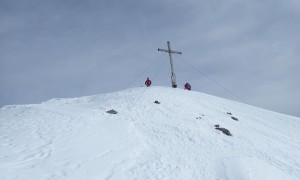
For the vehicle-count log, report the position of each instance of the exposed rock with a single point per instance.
(157, 102)
(225, 131)
(229, 113)
(234, 118)
(112, 112)
(217, 125)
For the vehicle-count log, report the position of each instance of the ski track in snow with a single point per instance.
(176, 139)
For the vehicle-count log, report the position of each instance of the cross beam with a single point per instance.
(173, 77)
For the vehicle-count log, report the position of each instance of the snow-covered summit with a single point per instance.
(175, 138)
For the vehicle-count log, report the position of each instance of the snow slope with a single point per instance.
(176, 139)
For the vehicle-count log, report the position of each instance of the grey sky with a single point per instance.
(73, 48)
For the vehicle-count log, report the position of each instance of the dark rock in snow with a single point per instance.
(217, 125)
(225, 131)
(234, 118)
(156, 102)
(229, 113)
(112, 112)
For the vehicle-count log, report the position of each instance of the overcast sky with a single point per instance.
(242, 50)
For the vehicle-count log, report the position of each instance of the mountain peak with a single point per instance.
(157, 133)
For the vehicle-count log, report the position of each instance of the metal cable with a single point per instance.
(145, 70)
(215, 82)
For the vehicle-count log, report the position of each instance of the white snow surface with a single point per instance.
(76, 139)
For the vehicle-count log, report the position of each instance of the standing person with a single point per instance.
(148, 82)
(187, 86)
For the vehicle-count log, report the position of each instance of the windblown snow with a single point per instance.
(75, 139)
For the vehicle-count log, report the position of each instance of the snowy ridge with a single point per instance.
(176, 139)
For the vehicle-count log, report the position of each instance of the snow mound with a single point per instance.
(250, 168)
(175, 139)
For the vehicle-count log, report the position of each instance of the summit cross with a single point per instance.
(173, 77)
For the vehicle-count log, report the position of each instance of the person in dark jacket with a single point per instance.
(187, 86)
(148, 82)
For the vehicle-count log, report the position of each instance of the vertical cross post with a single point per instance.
(173, 77)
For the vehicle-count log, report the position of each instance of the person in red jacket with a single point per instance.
(187, 86)
(148, 82)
